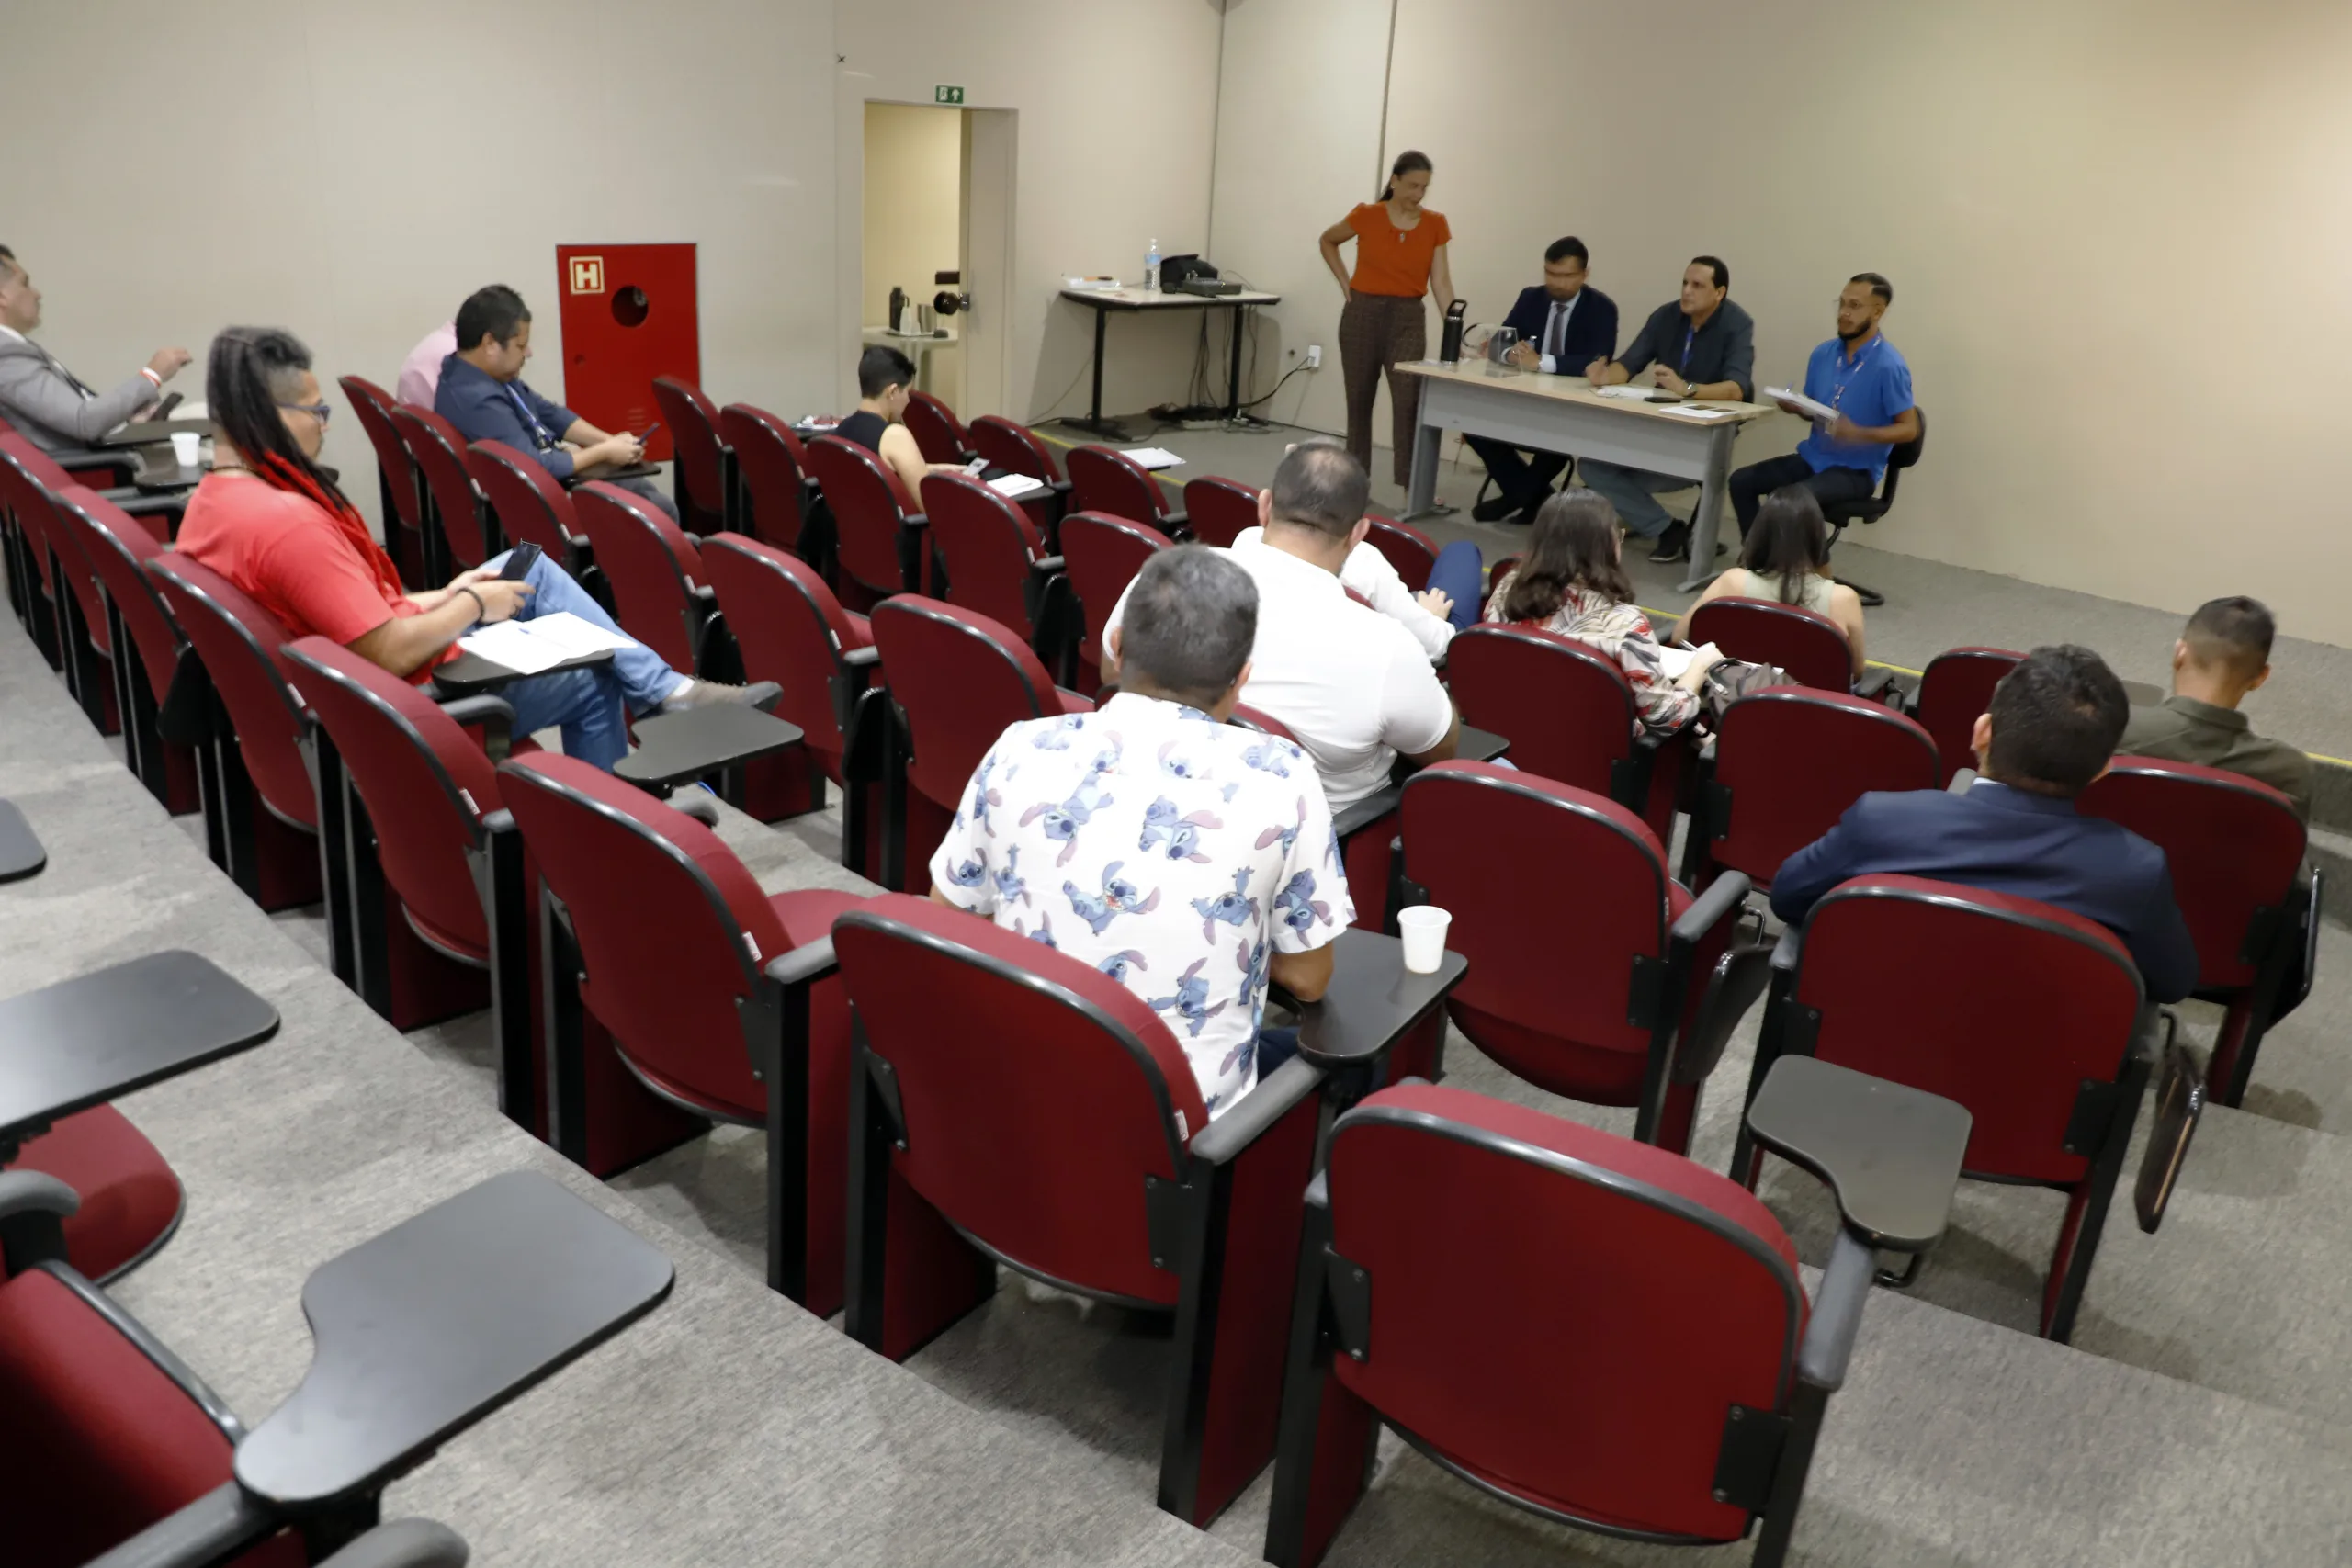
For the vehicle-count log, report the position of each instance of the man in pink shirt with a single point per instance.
(420, 371)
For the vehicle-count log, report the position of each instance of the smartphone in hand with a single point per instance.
(520, 561)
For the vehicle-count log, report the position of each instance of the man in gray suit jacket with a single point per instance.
(42, 399)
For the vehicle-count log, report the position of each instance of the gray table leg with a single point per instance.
(1707, 521)
(1420, 497)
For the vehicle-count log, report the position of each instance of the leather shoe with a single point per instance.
(1674, 544)
(1495, 508)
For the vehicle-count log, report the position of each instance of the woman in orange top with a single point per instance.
(1400, 255)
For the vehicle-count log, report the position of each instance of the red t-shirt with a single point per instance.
(295, 561)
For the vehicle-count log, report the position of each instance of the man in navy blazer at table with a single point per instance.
(1563, 327)
(2052, 731)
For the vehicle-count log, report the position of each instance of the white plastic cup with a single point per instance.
(1423, 927)
(188, 448)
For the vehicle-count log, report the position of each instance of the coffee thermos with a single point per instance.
(898, 311)
(1450, 346)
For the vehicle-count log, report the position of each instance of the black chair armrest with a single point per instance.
(1657, 739)
(144, 503)
(33, 1207)
(1890, 1153)
(1367, 811)
(1722, 900)
(213, 1528)
(810, 961)
(864, 657)
(1177, 524)
(480, 709)
(914, 520)
(1046, 566)
(1874, 681)
(404, 1544)
(1789, 952)
(1226, 1139)
(1837, 1318)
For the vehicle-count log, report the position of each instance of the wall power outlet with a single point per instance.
(1314, 356)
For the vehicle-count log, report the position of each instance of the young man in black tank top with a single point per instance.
(885, 378)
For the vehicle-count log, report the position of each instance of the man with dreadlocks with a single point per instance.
(270, 521)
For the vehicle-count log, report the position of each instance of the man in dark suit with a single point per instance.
(2053, 729)
(1563, 327)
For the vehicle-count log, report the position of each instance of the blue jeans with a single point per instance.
(1634, 492)
(586, 705)
(1459, 573)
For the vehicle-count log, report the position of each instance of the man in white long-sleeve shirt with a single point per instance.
(47, 402)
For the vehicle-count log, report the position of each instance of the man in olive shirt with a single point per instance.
(2222, 654)
(1701, 346)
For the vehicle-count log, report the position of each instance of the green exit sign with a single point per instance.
(946, 94)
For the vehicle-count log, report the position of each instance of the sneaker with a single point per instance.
(1495, 510)
(1674, 544)
(761, 695)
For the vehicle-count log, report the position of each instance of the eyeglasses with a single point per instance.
(320, 411)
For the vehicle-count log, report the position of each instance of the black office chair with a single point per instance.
(1871, 508)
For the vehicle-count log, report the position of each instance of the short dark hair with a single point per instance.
(2236, 633)
(9, 256)
(496, 312)
(1790, 536)
(1573, 545)
(880, 367)
(1715, 265)
(1192, 619)
(1879, 286)
(1563, 248)
(1321, 485)
(2056, 720)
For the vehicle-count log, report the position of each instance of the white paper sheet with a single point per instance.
(1012, 487)
(530, 647)
(1818, 412)
(1155, 457)
(1694, 411)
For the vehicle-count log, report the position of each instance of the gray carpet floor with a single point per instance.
(1929, 606)
(730, 1427)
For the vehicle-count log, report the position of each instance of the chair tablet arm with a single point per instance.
(1836, 1317)
(1739, 977)
(809, 962)
(1230, 1137)
(213, 1528)
(1367, 811)
(1890, 1153)
(404, 1544)
(1723, 897)
(864, 657)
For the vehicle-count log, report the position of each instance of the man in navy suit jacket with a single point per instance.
(2053, 724)
(1563, 326)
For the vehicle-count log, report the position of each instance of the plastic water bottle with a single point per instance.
(1151, 269)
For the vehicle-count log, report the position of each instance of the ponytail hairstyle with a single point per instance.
(1573, 545)
(1406, 163)
(250, 372)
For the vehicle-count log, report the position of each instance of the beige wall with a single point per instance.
(1116, 102)
(914, 155)
(2113, 228)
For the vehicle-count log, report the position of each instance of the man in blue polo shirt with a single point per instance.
(482, 393)
(1868, 381)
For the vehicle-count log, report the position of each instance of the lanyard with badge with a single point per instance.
(1839, 381)
(531, 420)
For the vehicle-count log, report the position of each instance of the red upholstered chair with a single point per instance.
(1569, 714)
(997, 561)
(957, 680)
(527, 505)
(1410, 551)
(1595, 1331)
(883, 541)
(1220, 509)
(1610, 985)
(2235, 847)
(689, 984)
(790, 629)
(1956, 688)
(117, 547)
(1101, 556)
(1015, 1105)
(132, 1201)
(1495, 575)
(111, 1432)
(261, 810)
(1016, 449)
(704, 465)
(401, 486)
(1806, 643)
(938, 433)
(782, 504)
(2030, 1017)
(1789, 761)
(455, 515)
(653, 569)
(69, 586)
(1103, 479)
(427, 845)
(26, 477)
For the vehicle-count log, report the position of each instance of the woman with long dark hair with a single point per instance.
(1786, 557)
(269, 520)
(1572, 582)
(1400, 256)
